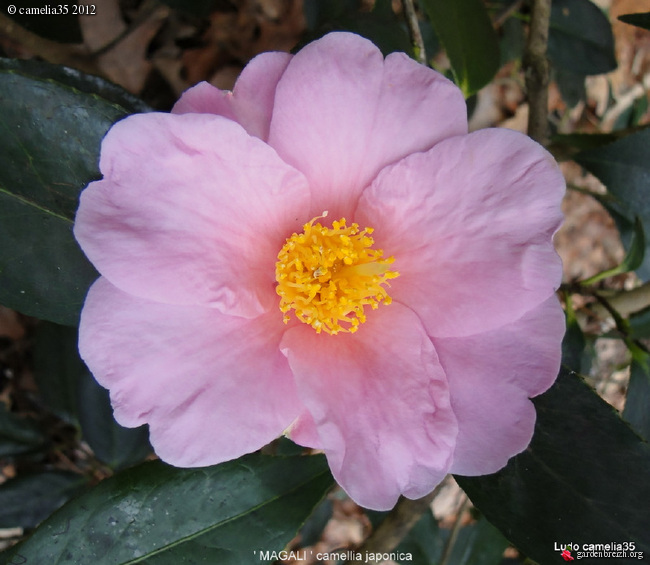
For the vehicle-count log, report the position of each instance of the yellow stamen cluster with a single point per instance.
(328, 275)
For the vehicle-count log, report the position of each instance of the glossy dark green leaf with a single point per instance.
(111, 443)
(624, 168)
(583, 478)
(636, 251)
(568, 144)
(640, 324)
(571, 85)
(640, 20)
(478, 544)
(58, 368)
(637, 400)
(70, 391)
(465, 31)
(160, 515)
(633, 258)
(31, 497)
(18, 434)
(321, 13)
(573, 344)
(51, 130)
(313, 528)
(513, 40)
(73, 78)
(633, 115)
(381, 25)
(385, 31)
(580, 38)
(56, 22)
(425, 542)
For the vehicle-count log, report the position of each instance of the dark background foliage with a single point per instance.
(583, 479)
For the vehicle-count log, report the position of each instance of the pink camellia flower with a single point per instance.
(326, 252)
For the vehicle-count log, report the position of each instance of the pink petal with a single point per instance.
(211, 387)
(303, 431)
(251, 101)
(491, 376)
(204, 98)
(380, 403)
(470, 224)
(191, 210)
(342, 113)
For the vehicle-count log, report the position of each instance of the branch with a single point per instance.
(396, 525)
(414, 31)
(537, 71)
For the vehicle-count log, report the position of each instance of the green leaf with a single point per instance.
(50, 133)
(624, 168)
(381, 25)
(637, 400)
(160, 515)
(566, 145)
(320, 13)
(31, 497)
(465, 31)
(632, 260)
(636, 252)
(573, 343)
(115, 445)
(71, 392)
(571, 85)
(19, 435)
(58, 368)
(640, 324)
(640, 20)
(580, 38)
(632, 115)
(312, 530)
(513, 40)
(478, 544)
(583, 478)
(75, 79)
(385, 31)
(425, 542)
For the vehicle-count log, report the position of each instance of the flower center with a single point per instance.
(328, 275)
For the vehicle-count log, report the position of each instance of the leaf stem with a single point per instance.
(537, 71)
(414, 31)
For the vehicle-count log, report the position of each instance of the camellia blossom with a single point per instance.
(326, 252)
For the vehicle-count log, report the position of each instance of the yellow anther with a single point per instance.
(328, 275)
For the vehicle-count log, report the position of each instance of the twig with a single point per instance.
(71, 55)
(537, 71)
(451, 541)
(508, 11)
(414, 31)
(396, 525)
